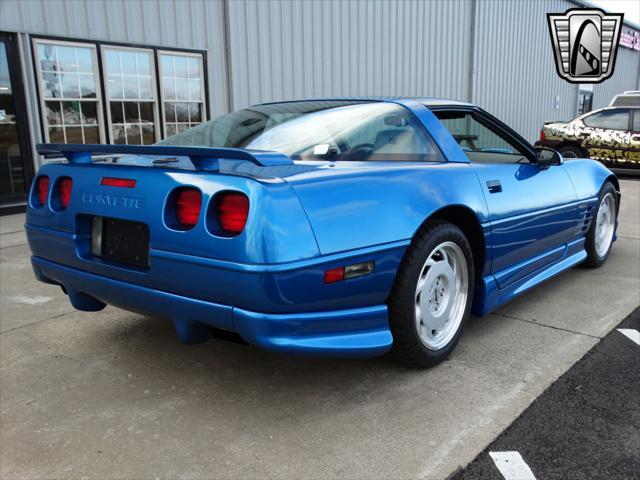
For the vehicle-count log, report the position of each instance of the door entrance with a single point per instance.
(16, 167)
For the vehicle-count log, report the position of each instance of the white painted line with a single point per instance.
(631, 334)
(512, 466)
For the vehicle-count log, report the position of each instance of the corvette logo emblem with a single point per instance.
(112, 200)
(585, 43)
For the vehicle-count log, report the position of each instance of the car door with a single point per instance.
(533, 210)
(633, 154)
(607, 136)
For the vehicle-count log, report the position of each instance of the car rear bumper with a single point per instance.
(355, 332)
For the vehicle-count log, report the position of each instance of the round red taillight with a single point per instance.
(233, 210)
(64, 191)
(188, 205)
(42, 187)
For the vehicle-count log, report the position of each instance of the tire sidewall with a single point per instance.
(593, 259)
(425, 245)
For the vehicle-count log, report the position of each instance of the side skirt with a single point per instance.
(489, 296)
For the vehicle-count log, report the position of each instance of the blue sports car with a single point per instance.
(337, 227)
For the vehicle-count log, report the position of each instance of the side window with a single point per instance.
(479, 143)
(616, 119)
(636, 120)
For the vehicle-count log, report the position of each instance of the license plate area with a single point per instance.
(120, 241)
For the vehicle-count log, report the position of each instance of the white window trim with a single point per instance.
(97, 81)
(156, 101)
(203, 101)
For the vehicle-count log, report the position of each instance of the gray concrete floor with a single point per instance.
(114, 394)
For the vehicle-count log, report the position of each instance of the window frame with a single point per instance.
(96, 44)
(97, 72)
(635, 114)
(154, 87)
(501, 129)
(203, 83)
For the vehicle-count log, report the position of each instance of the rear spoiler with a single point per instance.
(203, 158)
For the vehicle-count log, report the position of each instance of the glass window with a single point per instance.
(636, 120)
(182, 88)
(336, 130)
(615, 119)
(131, 94)
(69, 92)
(479, 142)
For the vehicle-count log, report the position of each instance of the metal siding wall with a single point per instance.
(287, 49)
(197, 24)
(515, 76)
(625, 77)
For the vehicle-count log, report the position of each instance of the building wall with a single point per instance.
(196, 25)
(286, 49)
(491, 52)
(515, 76)
(626, 76)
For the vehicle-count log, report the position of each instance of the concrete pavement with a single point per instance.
(114, 394)
(586, 425)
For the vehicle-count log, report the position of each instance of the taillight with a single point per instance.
(233, 210)
(64, 191)
(43, 189)
(188, 205)
(542, 134)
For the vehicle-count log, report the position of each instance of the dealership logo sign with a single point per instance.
(585, 43)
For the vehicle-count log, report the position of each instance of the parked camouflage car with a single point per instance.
(610, 135)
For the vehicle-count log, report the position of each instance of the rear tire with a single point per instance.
(572, 151)
(599, 237)
(431, 298)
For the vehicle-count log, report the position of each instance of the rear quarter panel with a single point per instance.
(385, 203)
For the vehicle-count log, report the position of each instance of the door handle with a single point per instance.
(494, 186)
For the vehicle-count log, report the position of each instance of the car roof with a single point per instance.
(426, 101)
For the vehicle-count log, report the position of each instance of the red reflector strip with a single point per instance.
(117, 182)
(350, 271)
(334, 275)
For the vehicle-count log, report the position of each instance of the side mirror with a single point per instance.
(546, 157)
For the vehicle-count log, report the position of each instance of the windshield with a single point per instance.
(327, 130)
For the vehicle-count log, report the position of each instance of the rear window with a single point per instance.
(319, 130)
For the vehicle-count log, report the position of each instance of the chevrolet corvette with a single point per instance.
(336, 227)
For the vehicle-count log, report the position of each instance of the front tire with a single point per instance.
(431, 298)
(599, 238)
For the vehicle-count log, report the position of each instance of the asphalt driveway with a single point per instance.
(114, 394)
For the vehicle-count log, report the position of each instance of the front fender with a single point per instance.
(587, 176)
